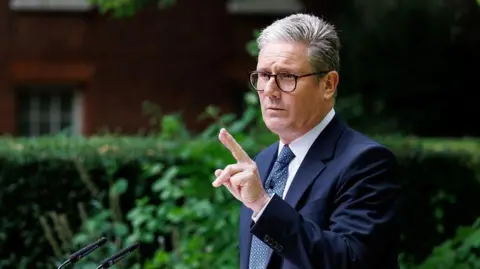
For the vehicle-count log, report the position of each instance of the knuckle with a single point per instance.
(228, 169)
(252, 167)
(236, 181)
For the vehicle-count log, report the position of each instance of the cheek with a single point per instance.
(302, 106)
(295, 106)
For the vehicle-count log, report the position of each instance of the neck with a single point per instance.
(289, 136)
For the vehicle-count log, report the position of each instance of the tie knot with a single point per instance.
(286, 155)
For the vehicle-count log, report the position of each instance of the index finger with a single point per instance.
(237, 151)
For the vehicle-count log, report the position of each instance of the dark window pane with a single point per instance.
(44, 128)
(66, 102)
(44, 102)
(67, 117)
(51, 105)
(23, 128)
(66, 124)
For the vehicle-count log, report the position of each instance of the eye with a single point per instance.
(286, 76)
(263, 76)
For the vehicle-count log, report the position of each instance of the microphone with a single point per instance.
(75, 257)
(118, 256)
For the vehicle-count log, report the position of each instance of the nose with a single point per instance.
(271, 88)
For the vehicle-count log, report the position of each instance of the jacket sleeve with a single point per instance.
(362, 224)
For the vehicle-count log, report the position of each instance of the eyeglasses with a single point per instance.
(285, 81)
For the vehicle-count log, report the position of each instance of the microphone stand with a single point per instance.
(75, 257)
(107, 263)
(65, 263)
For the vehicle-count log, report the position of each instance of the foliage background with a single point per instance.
(157, 190)
(60, 193)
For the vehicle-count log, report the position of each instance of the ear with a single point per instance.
(330, 82)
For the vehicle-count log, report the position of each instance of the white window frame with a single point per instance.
(273, 7)
(54, 117)
(51, 5)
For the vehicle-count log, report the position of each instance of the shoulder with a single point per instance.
(357, 144)
(364, 155)
(360, 152)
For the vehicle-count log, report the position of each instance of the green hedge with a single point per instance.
(61, 193)
(47, 180)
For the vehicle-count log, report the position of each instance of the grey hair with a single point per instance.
(320, 36)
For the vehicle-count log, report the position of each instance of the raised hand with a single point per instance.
(242, 178)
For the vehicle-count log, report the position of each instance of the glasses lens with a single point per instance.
(254, 80)
(286, 82)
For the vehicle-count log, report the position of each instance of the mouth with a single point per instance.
(274, 108)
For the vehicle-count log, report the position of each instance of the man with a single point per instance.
(324, 196)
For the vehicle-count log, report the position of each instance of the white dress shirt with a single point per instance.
(299, 147)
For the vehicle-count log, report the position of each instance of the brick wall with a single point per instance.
(6, 106)
(176, 58)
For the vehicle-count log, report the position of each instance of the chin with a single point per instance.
(286, 130)
(276, 126)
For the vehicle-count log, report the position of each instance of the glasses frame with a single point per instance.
(283, 73)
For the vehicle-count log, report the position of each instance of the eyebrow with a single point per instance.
(279, 70)
(262, 69)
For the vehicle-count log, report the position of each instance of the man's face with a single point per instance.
(291, 114)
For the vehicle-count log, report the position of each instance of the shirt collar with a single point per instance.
(301, 145)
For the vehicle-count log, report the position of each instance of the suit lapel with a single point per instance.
(266, 160)
(322, 149)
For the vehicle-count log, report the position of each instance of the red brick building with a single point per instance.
(64, 65)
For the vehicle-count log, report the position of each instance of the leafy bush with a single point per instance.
(59, 194)
(47, 185)
(460, 252)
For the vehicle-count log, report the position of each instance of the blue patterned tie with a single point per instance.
(279, 175)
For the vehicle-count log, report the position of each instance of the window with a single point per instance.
(50, 5)
(48, 109)
(265, 6)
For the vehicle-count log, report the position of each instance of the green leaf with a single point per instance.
(121, 229)
(150, 170)
(160, 185)
(160, 257)
(170, 174)
(119, 187)
(176, 214)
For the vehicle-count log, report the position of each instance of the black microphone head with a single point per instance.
(118, 256)
(75, 257)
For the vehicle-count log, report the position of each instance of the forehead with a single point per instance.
(283, 55)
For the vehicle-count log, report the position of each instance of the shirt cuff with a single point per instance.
(256, 216)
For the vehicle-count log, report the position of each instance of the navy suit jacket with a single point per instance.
(341, 211)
